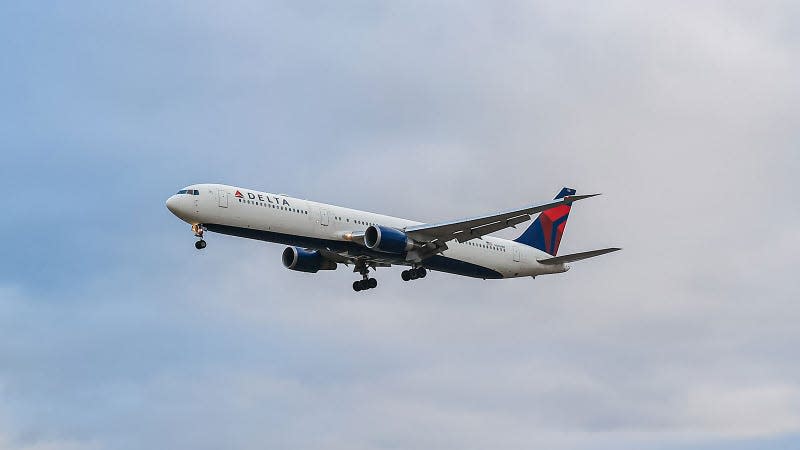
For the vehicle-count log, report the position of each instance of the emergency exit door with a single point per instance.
(323, 217)
(515, 252)
(223, 199)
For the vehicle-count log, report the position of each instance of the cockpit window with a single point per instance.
(188, 192)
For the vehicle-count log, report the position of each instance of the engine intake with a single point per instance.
(388, 240)
(311, 261)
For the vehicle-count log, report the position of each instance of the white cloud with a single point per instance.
(683, 115)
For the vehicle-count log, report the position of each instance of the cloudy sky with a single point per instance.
(115, 333)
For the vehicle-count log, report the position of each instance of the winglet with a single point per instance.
(574, 198)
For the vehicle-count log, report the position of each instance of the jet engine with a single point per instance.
(388, 240)
(311, 261)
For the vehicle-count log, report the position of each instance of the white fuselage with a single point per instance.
(303, 223)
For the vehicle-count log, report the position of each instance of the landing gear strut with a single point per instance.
(413, 274)
(198, 232)
(366, 282)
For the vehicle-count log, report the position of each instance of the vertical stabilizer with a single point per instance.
(546, 231)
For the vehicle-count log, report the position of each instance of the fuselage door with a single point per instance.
(515, 252)
(223, 198)
(323, 217)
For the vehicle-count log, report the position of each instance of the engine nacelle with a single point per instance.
(388, 240)
(311, 261)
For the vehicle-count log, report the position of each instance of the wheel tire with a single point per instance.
(373, 283)
(413, 273)
(421, 272)
(406, 276)
(356, 286)
(201, 244)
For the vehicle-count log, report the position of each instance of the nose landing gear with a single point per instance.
(198, 232)
(413, 274)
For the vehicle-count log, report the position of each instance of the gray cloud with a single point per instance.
(116, 334)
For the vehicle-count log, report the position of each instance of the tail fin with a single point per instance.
(546, 231)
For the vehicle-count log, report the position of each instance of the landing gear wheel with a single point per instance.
(201, 244)
(413, 274)
(366, 282)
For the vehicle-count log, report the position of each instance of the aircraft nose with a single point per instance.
(172, 204)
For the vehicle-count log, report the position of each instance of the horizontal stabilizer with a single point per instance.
(577, 256)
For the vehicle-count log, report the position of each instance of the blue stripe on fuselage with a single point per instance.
(437, 262)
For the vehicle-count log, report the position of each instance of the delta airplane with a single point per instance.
(320, 236)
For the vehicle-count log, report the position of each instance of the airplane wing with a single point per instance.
(577, 256)
(432, 238)
(435, 235)
(475, 227)
(346, 259)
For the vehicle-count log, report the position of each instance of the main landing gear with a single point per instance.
(363, 285)
(366, 282)
(198, 232)
(413, 274)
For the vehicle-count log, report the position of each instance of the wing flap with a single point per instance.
(577, 256)
(476, 232)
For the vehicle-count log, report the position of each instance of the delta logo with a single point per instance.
(262, 198)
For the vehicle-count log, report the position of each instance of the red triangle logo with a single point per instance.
(239, 194)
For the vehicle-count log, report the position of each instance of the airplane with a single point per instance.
(321, 236)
